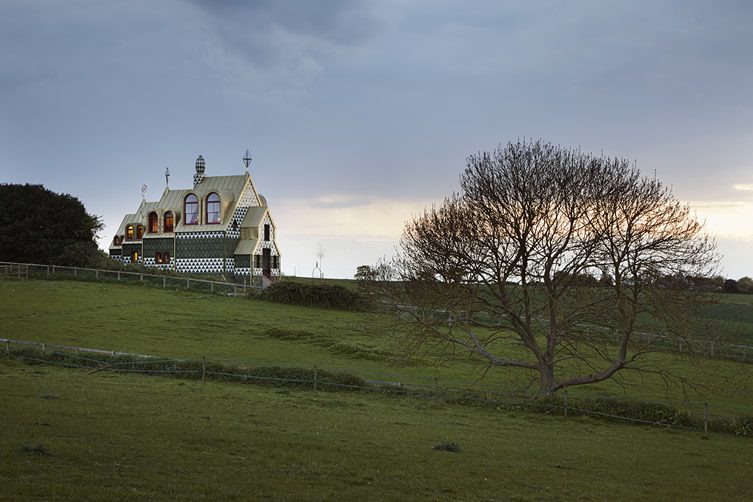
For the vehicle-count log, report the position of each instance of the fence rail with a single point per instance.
(25, 271)
(318, 379)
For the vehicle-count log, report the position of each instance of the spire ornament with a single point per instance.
(247, 159)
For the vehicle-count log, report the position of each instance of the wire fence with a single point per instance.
(697, 417)
(25, 271)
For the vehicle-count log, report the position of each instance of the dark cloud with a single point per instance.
(338, 21)
(268, 32)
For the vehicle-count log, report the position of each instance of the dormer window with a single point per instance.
(169, 222)
(153, 223)
(213, 208)
(139, 231)
(266, 232)
(129, 232)
(191, 209)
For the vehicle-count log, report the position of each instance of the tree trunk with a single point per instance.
(546, 378)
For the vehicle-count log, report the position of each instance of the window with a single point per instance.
(169, 222)
(117, 240)
(257, 261)
(158, 258)
(166, 257)
(213, 208)
(135, 257)
(153, 223)
(139, 231)
(274, 262)
(129, 232)
(266, 232)
(192, 209)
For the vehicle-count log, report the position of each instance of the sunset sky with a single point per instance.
(358, 114)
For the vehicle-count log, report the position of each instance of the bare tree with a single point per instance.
(551, 260)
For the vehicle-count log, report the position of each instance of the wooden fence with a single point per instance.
(37, 271)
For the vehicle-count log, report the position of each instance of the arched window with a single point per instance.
(135, 257)
(166, 257)
(139, 231)
(213, 208)
(169, 222)
(153, 223)
(116, 241)
(129, 232)
(158, 257)
(191, 209)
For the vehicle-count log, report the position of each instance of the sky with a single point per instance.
(359, 114)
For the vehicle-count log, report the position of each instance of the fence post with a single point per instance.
(48, 271)
(75, 271)
(235, 290)
(18, 271)
(164, 282)
(203, 368)
(705, 418)
(118, 274)
(141, 277)
(188, 284)
(211, 287)
(565, 390)
(43, 348)
(96, 274)
(7, 349)
(316, 378)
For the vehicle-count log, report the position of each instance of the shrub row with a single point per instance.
(313, 295)
(193, 370)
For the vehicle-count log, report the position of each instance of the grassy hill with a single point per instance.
(69, 434)
(246, 332)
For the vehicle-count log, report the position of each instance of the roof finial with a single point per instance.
(200, 166)
(167, 177)
(247, 159)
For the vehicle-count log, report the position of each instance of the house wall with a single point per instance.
(205, 252)
(128, 249)
(158, 245)
(242, 264)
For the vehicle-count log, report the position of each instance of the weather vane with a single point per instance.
(247, 159)
(167, 177)
(143, 192)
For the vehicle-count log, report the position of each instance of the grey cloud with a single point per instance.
(337, 21)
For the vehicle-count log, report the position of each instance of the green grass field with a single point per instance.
(245, 332)
(70, 435)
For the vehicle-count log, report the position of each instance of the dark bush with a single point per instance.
(636, 410)
(313, 295)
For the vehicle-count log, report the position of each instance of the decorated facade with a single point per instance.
(221, 225)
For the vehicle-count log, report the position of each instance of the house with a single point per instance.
(221, 225)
